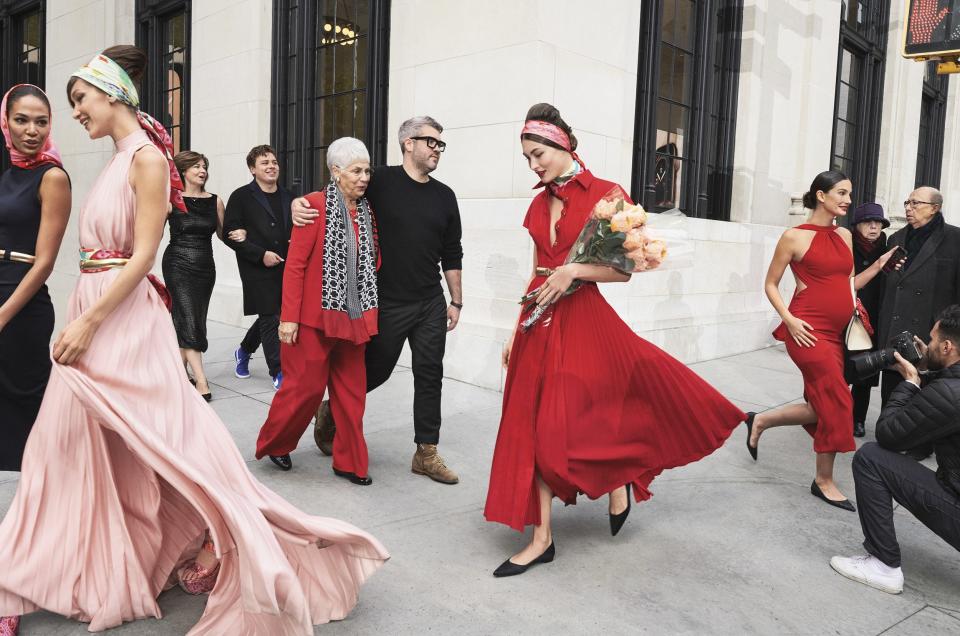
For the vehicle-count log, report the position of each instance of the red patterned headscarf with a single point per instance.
(48, 153)
(108, 76)
(557, 135)
(548, 131)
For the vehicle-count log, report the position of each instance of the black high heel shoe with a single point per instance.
(749, 421)
(617, 520)
(509, 568)
(353, 477)
(283, 461)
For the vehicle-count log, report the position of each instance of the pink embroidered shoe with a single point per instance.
(9, 625)
(204, 578)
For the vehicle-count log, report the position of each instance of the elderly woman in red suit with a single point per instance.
(328, 314)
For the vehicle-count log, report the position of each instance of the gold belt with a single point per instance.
(20, 257)
(102, 264)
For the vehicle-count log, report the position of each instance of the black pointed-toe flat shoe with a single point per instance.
(843, 503)
(749, 421)
(207, 396)
(509, 568)
(354, 479)
(283, 461)
(617, 520)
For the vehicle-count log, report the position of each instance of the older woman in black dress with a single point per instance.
(188, 267)
(34, 209)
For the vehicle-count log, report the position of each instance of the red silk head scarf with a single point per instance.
(554, 133)
(48, 153)
(548, 131)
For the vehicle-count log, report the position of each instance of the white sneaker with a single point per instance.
(871, 571)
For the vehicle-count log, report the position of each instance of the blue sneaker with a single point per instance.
(243, 363)
(277, 380)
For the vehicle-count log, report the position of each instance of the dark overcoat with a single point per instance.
(913, 298)
(872, 293)
(249, 209)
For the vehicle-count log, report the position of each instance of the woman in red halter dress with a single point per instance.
(820, 254)
(588, 406)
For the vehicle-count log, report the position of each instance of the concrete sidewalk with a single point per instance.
(726, 546)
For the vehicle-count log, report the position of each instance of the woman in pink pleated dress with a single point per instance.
(128, 471)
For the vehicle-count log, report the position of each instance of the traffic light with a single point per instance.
(932, 31)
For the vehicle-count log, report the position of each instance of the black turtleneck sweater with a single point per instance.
(419, 227)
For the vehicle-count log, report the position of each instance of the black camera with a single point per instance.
(870, 363)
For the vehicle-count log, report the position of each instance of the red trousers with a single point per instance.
(308, 368)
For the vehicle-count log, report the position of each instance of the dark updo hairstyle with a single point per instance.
(550, 114)
(128, 57)
(824, 182)
(22, 91)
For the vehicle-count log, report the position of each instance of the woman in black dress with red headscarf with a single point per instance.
(34, 209)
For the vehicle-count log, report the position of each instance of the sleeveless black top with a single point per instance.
(19, 217)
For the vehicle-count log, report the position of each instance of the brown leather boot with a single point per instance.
(427, 461)
(324, 429)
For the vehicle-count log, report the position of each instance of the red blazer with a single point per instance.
(303, 284)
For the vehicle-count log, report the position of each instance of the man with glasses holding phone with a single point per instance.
(927, 282)
(419, 229)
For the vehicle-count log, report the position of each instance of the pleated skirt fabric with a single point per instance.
(589, 406)
(124, 471)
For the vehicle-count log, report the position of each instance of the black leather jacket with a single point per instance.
(931, 415)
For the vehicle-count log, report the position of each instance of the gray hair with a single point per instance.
(935, 196)
(411, 127)
(346, 151)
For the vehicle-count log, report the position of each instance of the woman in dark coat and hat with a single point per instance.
(869, 244)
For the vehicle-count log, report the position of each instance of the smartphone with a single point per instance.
(895, 258)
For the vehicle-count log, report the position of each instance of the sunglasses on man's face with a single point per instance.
(433, 143)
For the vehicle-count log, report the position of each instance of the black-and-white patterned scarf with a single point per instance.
(349, 258)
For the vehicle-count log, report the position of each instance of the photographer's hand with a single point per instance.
(907, 370)
(922, 347)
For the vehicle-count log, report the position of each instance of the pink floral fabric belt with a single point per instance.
(95, 261)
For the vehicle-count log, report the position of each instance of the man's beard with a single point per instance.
(934, 363)
(425, 166)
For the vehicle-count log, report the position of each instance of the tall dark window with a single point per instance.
(329, 81)
(22, 31)
(163, 31)
(933, 117)
(686, 106)
(859, 95)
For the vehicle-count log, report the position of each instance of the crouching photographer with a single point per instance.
(913, 416)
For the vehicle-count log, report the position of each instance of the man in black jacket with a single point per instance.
(912, 417)
(928, 281)
(257, 227)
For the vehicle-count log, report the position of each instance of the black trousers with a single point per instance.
(882, 477)
(264, 332)
(861, 401)
(424, 325)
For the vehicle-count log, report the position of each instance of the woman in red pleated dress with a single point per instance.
(820, 254)
(588, 406)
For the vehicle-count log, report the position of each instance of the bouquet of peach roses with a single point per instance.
(615, 235)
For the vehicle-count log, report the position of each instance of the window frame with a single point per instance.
(12, 14)
(152, 17)
(299, 173)
(712, 122)
(930, 145)
(870, 46)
